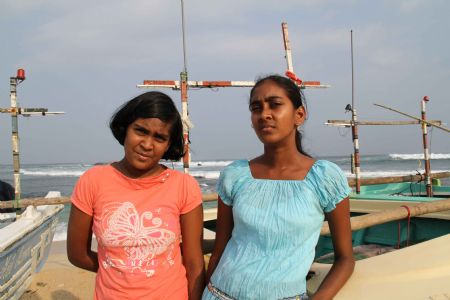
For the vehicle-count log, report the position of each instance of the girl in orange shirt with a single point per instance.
(139, 209)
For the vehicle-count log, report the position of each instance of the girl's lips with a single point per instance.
(143, 156)
(267, 129)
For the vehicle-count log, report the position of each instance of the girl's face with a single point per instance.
(273, 115)
(145, 143)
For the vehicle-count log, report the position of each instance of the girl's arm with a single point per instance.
(79, 238)
(192, 236)
(224, 227)
(341, 234)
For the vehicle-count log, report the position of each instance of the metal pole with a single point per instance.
(15, 136)
(184, 99)
(425, 148)
(355, 126)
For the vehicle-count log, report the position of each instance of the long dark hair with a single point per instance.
(150, 105)
(293, 92)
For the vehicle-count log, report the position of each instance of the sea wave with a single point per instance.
(61, 231)
(205, 174)
(53, 172)
(397, 156)
(218, 163)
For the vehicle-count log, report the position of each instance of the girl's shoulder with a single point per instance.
(237, 164)
(323, 167)
(98, 170)
(235, 168)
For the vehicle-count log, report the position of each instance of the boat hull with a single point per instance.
(24, 248)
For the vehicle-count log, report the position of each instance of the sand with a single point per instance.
(59, 279)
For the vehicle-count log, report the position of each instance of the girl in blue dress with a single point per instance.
(271, 209)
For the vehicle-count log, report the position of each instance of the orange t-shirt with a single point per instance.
(137, 225)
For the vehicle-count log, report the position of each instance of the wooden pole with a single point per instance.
(14, 81)
(66, 200)
(176, 85)
(347, 123)
(395, 179)
(287, 47)
(412, 117)
(354, 125)
(385, 216)
(425, 147)
(186, 122)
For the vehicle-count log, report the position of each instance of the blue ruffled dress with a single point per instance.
(276, 228)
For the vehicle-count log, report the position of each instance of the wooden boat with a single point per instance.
(24, 247)
(421, 271)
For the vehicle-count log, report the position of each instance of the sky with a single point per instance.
(87, 57)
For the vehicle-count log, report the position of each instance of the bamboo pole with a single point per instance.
(66, 200)
(348, 123)
(412, 117)
(396, 179)
(385, 216)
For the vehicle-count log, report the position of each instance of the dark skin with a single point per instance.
(275, 119)
(79, 241)
(145, 144)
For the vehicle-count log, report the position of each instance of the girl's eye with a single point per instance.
(160, 138)
(254, 107)
(275, 104)
(140, 131)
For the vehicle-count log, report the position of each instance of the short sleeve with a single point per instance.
(83, 193)
(227, 182)
(192, 196)
(332, 185)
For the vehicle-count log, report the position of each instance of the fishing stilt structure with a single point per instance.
(184, 84)
(14, 111)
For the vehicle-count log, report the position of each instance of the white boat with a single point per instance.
(421, 271)
(25, 243)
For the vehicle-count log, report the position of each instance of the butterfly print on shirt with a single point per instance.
(141, 237)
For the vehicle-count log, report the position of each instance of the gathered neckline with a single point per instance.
(148, 179)
(281, 180)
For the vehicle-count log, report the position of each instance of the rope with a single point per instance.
(407, 228)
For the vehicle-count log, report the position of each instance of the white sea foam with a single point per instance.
(61, 231)
(217, 163)
(205, 174)
(53, 172)
(419, 156)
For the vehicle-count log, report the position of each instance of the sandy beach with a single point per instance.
(59, 279)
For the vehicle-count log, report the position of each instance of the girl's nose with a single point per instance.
(266, 113)
(147, 143)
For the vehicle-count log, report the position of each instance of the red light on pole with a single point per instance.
(20, 74)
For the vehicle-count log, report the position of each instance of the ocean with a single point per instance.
(38, 179)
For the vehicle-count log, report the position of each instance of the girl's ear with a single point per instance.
(300, 116)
